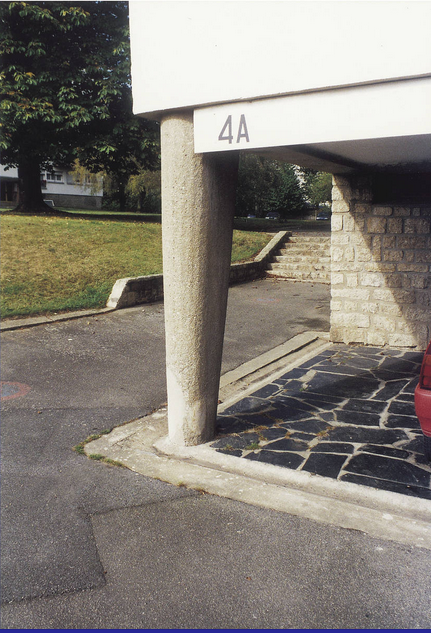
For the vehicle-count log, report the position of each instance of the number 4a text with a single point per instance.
(226, 131)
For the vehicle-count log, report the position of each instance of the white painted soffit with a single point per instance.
(193, 54)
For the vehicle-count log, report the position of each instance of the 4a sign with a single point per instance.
(358, 112)
(226, 131)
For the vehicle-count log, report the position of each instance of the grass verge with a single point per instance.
(55, 264)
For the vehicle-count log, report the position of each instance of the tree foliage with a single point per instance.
(317, 186)
(66, 92)
(268, 185)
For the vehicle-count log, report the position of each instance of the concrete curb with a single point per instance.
(19, 324)
(143, 447)
(132, 291)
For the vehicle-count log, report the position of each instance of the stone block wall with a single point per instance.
(381, 268)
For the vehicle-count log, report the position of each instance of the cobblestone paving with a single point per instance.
(348, 414)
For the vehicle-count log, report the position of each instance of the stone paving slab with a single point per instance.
(347, 414)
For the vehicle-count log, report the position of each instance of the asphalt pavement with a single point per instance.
(86, 544)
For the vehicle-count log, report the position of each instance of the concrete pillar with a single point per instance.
(198, 196)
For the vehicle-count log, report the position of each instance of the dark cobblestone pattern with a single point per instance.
(348, 414)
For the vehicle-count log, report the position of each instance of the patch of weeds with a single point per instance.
(252, 447)
(80, 449)
(112, 462)
(105, 460)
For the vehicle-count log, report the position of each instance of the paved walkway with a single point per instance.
(348, 414)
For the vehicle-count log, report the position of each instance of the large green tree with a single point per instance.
(65, 87)
(268, 185)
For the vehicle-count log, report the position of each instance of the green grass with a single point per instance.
(55, 264)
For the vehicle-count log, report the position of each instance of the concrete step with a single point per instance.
(304, 257)
(316, 276)
(302, 238)
(299, 255)
(287, 267)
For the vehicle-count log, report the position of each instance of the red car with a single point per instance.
(423, 401)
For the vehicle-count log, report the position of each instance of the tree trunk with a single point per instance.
(122, 196)
(30, 189)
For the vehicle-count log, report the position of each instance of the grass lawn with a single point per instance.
(59, 264)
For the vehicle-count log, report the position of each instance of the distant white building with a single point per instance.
(58, 186)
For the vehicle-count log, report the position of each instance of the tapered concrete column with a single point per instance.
(198, 196)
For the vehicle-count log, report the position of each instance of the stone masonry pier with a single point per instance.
(381, 268)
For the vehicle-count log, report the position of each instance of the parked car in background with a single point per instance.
(423, 401)
(251, 216)
(323, 215)
(272, 215)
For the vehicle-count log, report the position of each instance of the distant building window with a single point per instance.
(53, 176)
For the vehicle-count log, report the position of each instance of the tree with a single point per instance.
(317, 186)
(267, 185)
(65, 89)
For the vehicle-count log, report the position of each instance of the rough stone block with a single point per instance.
(383, 323)
(389, 241)
(393, 281)
(412, 267)
(361, 208)
(351, 280)
(363, 254)
(409, 256)
(402, 340)
(381, 267)
(372, 279)
(349, 335)
(336, 222)
(395, 295)
(423, 256)
(351, 319)
(392, 255)
(337, 253)
(340, 206)
(370, 307)
(392, 309)
(358, 294)
(403, 212)
(338, 239)
(336, 306)
(416, 225)
(337, 279)
(350, 306)
(395, 225)
(377, 338)
(376, 225)
(382, 211)
(421, 281)
(410, 241)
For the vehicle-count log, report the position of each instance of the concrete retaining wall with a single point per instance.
(132, 291)
(74, 202)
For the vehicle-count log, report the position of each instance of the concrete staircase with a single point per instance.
(304, 257)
